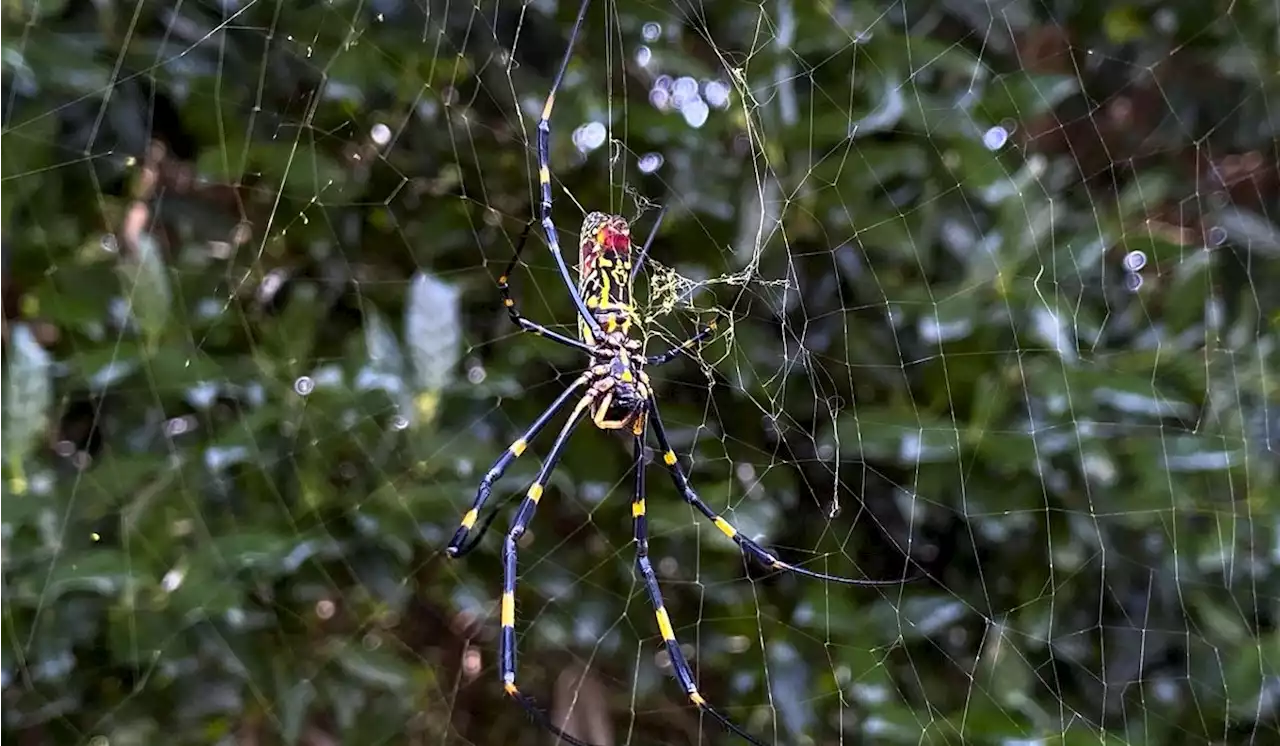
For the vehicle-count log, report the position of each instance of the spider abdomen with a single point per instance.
(604, 270)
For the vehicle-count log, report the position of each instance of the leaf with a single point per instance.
(293, 333)
(375, 667)
(381, 344)
(1002, 670)
(297, 166)
(137, 635)
(75, 297)
(135, 731)
(144, 280)
(1051, 327)
(101, 571)
(127, 478)
(35, 10)
(926, 616)
(1249, 676)
(1144, 195)
(1122, 24)
(26, 151)
(296, 700)
(1191, 452)
(791, 680)
(1250, 230)
(200, 589)
(28, 395)
(385, 369)
(1022, 96)
(896, 435)
(897, 725)
(271, 553)
(433, 332)
(60, 63)
(886, 115)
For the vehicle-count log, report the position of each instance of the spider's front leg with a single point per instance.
(669, 355)
(543, 144)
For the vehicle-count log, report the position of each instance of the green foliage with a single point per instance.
(255, 367)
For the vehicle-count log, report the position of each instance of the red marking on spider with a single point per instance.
(616, 241)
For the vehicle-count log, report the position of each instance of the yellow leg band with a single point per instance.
(469, 519)
(508, 610)
(664, 625)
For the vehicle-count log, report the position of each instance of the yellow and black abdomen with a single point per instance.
(606, 289)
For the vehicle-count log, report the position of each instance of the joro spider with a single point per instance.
(615, 391)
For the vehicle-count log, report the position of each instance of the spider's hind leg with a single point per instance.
(507, 640)
(458, 545)
(679, 664)
(746, 545)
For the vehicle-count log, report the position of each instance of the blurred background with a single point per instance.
(998, 286)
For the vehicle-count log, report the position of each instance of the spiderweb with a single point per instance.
(991, 283)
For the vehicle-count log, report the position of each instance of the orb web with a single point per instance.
(991, 292)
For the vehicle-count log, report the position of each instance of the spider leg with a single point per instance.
(519, 320)
(683, 671)
(456, 547)
(748, 546)
(671, 354)
(507, 641)
(644, 251)
(544, 176)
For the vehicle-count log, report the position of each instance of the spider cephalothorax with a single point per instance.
(616, 393)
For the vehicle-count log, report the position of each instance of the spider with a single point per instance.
(616, 393)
